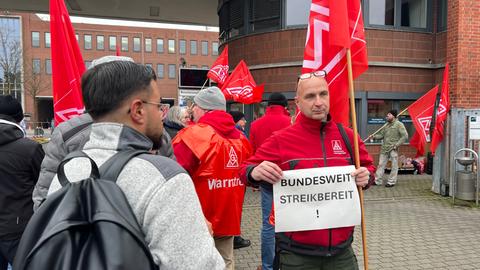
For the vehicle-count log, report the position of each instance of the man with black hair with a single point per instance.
(123, 99)
(72, 135)
(393, 134)
(20, 160)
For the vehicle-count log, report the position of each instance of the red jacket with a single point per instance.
(212, 151)
(308, 144)
(276, 117)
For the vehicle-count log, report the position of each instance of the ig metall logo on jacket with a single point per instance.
(337, 147)
(232, 159)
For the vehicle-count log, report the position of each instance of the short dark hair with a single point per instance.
(393, 112)
(106, 86)
(277, 99)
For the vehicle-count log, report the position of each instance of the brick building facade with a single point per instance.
(164, 47)
(407, 45)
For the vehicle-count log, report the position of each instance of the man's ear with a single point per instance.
(137, 111)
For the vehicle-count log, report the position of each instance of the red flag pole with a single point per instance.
(356, 153)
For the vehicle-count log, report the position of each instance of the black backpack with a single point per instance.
(87, 224)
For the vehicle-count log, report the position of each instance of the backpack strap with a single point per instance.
(111, 169)
(346, 140)
(62, 178)
(69, 134)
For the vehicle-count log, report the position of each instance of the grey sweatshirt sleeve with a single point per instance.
(53, 155)
(175, 228)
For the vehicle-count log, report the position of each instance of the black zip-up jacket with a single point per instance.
(20, 160)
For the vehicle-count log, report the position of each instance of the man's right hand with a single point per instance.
(267, 171)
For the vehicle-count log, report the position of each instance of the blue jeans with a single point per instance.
(268, 231)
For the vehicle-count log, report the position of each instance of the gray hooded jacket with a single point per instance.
(161, 194)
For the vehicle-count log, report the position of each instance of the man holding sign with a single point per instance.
(312, 239)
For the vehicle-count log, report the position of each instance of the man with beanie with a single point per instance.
(239, 120)
(240, 123)
(20, 160)
(276, 118)
(393, 134)
(212, 151)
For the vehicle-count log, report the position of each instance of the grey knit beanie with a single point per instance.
(211, 98)
(109, 58)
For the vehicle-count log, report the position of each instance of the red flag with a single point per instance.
(339, 33)
(442, 112)
(67, 64)
(418, 143)
(421, 113)
(327, 38)
(241, 87)
(219, 71)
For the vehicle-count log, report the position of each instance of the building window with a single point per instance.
(100, 43)
(193, 47)
(159, 45)
(87, 42)
(171, 71)
(297, 12)
(204, 47)
(378, 109)
(36, 39)
(48, 40)
(149, 65)
(214, 48)
(182, 44)
(77, 37)
(442, 16)
(399, 13)
(112, 43)
(36, 66)
(414, 13)
(160, 71)
(88, 64)
(136, 44)
(48, 66)
(171, 46)
(124, 42)
(381, 12)
(148, 45)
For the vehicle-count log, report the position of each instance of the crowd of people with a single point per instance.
(186, 190)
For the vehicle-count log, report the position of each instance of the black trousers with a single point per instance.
(8, 248)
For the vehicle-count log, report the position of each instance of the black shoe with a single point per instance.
(389, 185)
(239, 242)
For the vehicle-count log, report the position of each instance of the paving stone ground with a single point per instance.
(408, 227)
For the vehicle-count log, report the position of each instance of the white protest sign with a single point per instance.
(319, 198)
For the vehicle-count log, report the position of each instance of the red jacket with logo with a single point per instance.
(213, 158)
(309, 144)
